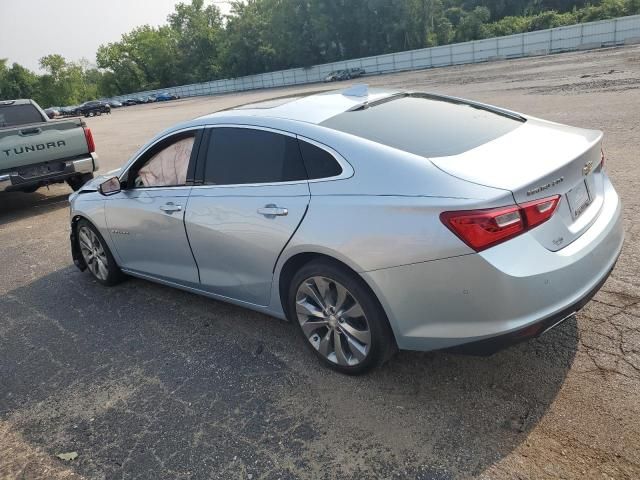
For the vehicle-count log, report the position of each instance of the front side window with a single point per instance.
(166, 167)
(241, 155)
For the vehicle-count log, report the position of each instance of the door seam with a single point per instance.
(186, 234)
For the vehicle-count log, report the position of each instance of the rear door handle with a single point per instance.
(272, 210)
(170, 207)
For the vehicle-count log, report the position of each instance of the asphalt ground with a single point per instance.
(143, 381)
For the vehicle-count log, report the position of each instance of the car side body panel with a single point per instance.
(151, 240)
(381, 218)
(236, 246)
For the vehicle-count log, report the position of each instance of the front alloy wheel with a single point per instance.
(96, 254)
(93, 253)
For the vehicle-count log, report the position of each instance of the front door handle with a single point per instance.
(273, 210)
(170, 207)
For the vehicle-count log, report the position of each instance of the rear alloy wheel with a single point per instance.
(339, 318)
(97, 255)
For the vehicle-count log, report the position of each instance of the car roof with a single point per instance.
(19, 101)
(314, 108)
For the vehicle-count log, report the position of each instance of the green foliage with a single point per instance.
(198, 44)
(16, 82)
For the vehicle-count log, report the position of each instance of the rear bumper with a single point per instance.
(502, 295)
(492, 345)
(14, 181)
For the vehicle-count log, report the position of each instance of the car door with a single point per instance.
(254, 195)
(146, 219)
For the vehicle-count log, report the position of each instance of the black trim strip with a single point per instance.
(201, 159)
(191, 168)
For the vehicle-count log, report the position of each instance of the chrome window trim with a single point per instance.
(347, 169)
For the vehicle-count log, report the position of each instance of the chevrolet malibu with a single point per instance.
(374, 220)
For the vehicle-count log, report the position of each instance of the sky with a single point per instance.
(75, 29)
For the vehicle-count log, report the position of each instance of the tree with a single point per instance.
(16, 82)
(197, 44)
(197, 31)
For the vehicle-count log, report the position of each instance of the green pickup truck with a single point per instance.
(36, 151)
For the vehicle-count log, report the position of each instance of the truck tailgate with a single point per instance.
(41, 142)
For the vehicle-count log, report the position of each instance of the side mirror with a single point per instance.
(111, 186)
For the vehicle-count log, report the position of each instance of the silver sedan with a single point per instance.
(374, 220)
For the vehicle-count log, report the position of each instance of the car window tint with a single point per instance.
(242, 155)
(168, 167)
(14, 115)
(429, 127)
(318, 162)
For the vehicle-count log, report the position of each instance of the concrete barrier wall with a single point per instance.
(604, 33)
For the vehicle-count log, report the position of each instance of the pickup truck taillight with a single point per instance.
(89, 138)
(481, 229)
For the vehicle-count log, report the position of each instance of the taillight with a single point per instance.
(88, 136)
(539, 211)
(481, 229)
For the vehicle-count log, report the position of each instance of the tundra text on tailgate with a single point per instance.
(35, 151)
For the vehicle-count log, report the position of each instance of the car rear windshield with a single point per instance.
(14, 115)
(426, 125)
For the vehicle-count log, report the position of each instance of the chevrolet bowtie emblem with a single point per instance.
(586, 170)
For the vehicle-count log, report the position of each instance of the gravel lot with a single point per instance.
(143, 381)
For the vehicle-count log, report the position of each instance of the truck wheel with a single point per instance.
(78, 181)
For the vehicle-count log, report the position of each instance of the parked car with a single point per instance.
(166, 96)
(372, 220)
(143, 99)
(52, 112)
(130, 101)
(347, 74)
(69, 111)
(114, 104)
(332, 77)
(35, 151)
(93, 108)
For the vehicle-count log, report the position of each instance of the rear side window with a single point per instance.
(318, 162)
(14, 115)
(242, 155)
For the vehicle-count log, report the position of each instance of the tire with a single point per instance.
(96, 255)
(330, 304)
(78, 181)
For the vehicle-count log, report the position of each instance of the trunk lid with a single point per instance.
(41, 142)
(537, 160)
